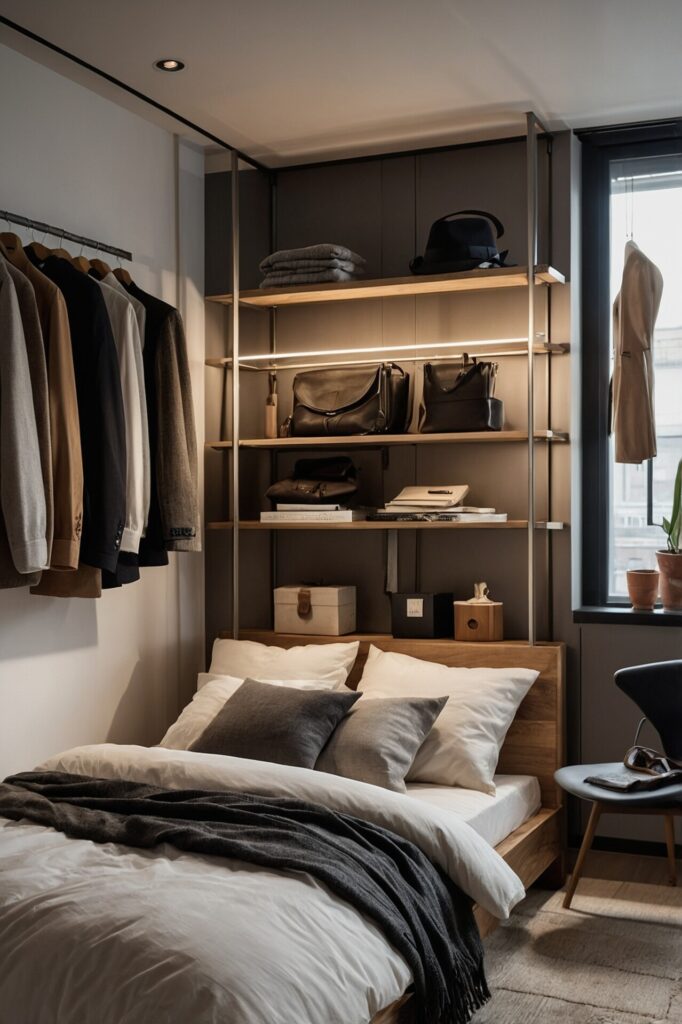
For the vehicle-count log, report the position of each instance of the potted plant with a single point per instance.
(670, 561)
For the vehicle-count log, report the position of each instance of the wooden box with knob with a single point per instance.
(479, 619)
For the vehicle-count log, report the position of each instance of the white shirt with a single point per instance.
(124, 325)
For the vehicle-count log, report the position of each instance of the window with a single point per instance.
(631, 190)
(646, 204)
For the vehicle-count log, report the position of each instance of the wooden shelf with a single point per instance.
(436, 284)
(381, 440)
(510, 524)
(268, 636)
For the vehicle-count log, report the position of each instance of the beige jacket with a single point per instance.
(35, 350)
(634, 316)
(67, 465)
(22, 498)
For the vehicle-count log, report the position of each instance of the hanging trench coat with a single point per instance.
(634, 316)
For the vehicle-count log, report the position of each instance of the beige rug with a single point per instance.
(614, 958)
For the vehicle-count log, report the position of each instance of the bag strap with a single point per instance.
(498, 225)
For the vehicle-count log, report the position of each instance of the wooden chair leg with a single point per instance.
(595, 814)
(669, 820)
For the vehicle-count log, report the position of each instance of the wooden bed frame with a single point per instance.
(534, 745)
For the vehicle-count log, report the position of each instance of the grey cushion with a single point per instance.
(379, 739)
(275, 723)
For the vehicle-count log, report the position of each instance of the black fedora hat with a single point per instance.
(461, 241)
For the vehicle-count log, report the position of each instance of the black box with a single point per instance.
(421, 616)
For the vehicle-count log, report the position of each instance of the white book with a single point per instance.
(344, 515)
(433, 496)
(398, 506)
(477, 511)
(473, 517)
(293, 507)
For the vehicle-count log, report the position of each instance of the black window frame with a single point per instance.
(599, 148)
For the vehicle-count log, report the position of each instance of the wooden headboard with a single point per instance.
(535, 742)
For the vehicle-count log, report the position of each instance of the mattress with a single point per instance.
(517, 798)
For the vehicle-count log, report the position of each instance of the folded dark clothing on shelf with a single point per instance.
(323, 251)
(275, 280)
(309, 265)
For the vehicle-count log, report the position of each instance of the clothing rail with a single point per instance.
(62, 233)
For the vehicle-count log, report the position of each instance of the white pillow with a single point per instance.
(464, 744)
(212, 692)
(327, 665)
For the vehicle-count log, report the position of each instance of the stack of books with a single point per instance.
(440, 503)
(323, 513)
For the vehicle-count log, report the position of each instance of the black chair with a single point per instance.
(657, 690)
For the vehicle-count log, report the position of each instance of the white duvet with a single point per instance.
(106, 934)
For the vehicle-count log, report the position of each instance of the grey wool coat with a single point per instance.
(23, 525)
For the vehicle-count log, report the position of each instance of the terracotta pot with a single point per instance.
(670, 566)
(642, 588)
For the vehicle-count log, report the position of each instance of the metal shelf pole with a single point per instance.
(234, 503)
(532, 248)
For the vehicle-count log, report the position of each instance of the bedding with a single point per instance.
(516, 799)
(275, 723)
(327, 665)
(126, 936)
(377, 741)
(464, 745)
(388, 879)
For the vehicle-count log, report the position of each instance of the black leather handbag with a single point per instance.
(459, 397)
(350, 400)
(315, 481)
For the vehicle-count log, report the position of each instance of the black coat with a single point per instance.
(100, 410)
(174, 509)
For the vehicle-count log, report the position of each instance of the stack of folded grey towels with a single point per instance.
(314, 264)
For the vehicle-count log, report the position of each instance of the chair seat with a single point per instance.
(572, 779)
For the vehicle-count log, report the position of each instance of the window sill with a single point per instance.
(624, 615)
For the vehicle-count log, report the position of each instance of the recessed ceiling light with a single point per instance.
(169, 64)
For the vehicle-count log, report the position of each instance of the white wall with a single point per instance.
(83, 671)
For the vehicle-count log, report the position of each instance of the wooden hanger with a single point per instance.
(81, 263)
(123, 276)
(11, 243)
(100, 267)
(41, 251)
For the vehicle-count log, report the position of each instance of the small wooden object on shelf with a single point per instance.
(479, 618)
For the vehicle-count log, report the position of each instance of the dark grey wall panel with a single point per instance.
(398, 236)
(335, 203)
(254, 218)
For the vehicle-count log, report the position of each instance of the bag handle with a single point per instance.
(497, 224)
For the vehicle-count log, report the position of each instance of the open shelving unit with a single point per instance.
(529, 277)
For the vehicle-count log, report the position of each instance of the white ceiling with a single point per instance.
(288, 80)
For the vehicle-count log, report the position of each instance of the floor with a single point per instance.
(614, 958)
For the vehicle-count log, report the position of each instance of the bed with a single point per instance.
(181, 902)
(534, 745)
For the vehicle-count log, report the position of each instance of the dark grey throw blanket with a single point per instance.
(420, 911)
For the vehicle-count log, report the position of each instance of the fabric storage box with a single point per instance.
(421, 616)
(317, 611)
